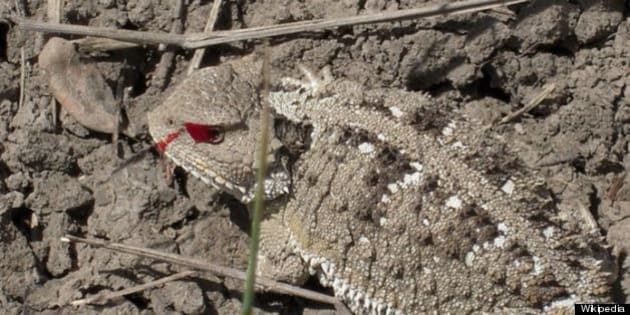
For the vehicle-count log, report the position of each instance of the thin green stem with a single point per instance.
(259, 199)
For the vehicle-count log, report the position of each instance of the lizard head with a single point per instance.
(209, 125)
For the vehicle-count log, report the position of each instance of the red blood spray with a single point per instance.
(163, 144)
(198, 132)
(205, 133)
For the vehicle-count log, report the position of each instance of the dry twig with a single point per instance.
(199, 40)
(21, 11)
(166, 60)
(55, 11)
(200, 265)
(93, 44)
(20, 7)
(615, 187)
(548, 88)
(102, 298)
(22, 77)
(589, 220)
(212, 20)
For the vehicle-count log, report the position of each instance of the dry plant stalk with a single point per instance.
(102, 298)
(200, 40)
(166, 60)
(546, 90)
(261, 174)
(94, 44)
(200, 265)
(22, 78)
(212, 20)
(55, 11)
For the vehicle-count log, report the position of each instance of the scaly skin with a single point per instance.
(397, 218)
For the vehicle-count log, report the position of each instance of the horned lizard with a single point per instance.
(397, 208)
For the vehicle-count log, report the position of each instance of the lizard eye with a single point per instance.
(205, 133)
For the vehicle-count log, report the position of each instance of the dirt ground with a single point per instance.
(56, 179)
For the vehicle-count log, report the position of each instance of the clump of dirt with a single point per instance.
(58, 179)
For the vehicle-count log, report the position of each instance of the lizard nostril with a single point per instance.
(170, 122)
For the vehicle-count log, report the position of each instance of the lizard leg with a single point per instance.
(277, 260)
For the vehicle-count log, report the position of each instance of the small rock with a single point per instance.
(545, 23)
(185, 296)
(35, 113)
(38, 151)
(107, 3)
(9, 73)
(485, 39)
(11, 200)
(426, 65)
(202, 195)
(17, 263)
(619, 236)
(18, 181)
(624, 278)
(56, 192)
(599, 19)
(59, 259)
